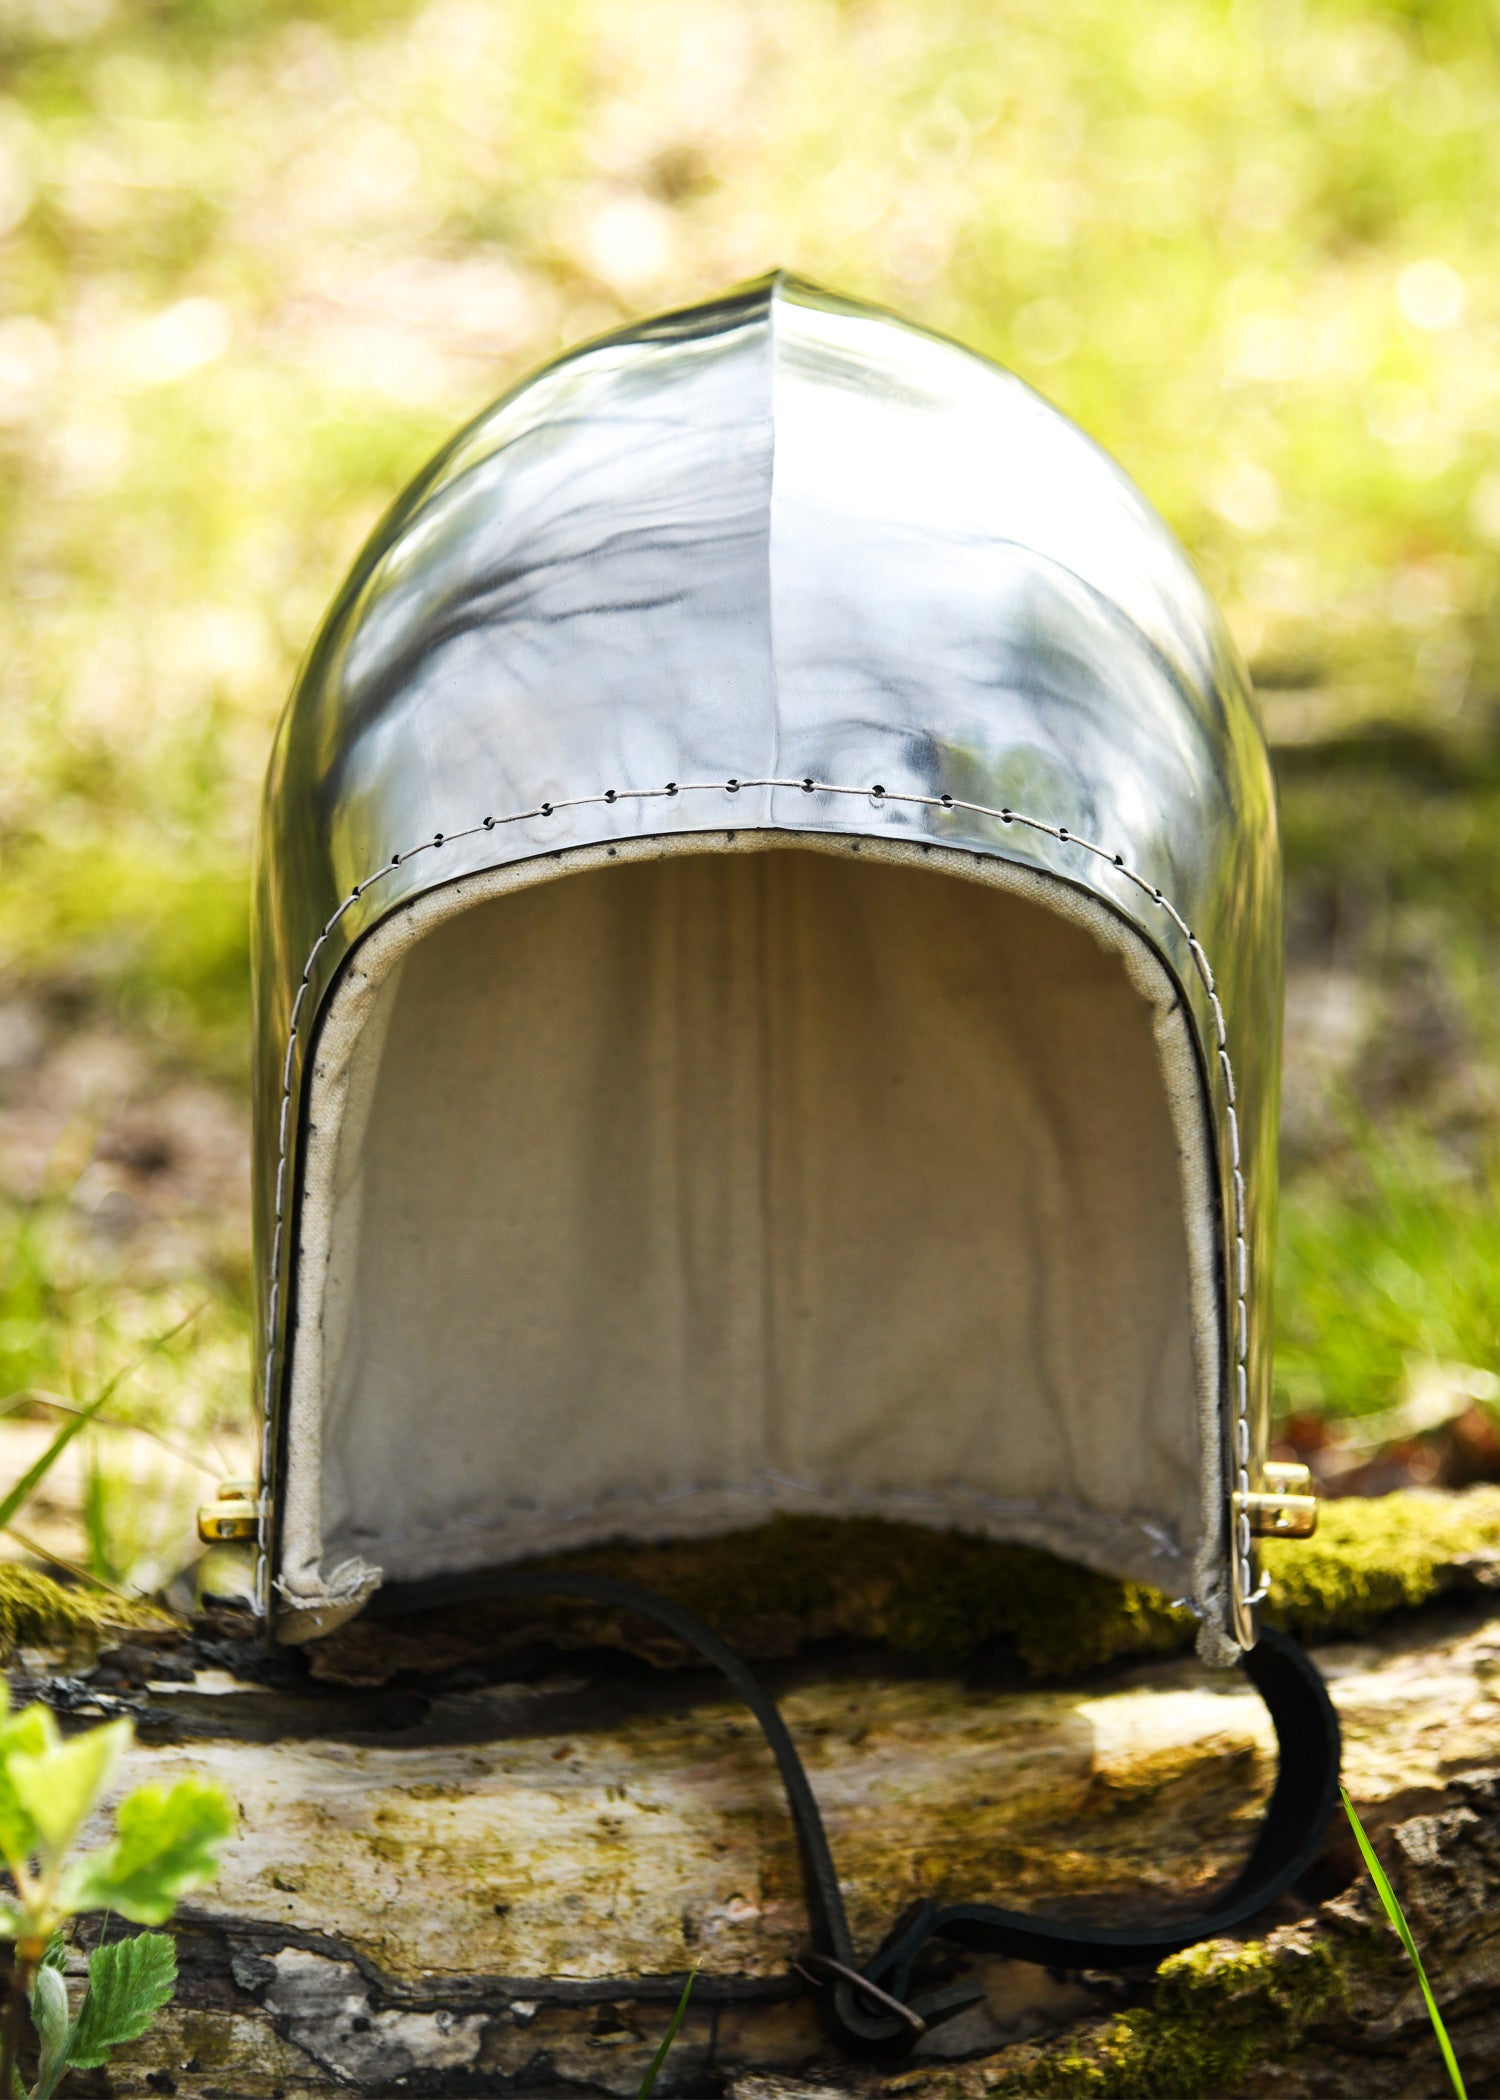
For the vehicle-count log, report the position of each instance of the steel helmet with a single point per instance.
(767, 960)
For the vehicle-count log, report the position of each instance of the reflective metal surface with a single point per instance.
(776, 539)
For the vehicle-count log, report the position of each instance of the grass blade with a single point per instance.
(668, 2039)
(1397, 1917)
(37, 1396)
(35, 1474)
(69, 1567)
(21, 1493)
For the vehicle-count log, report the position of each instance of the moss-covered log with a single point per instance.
(73, 1624)
(491, 1875)
(946, 1601)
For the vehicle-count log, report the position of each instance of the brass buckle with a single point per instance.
(1286, 1507)
(235, 1515)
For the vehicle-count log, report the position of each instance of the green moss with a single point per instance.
(37, 1612)
(936, 1595)
(1217, 2009)
(774, 1590)
(946, 1599)
(1369, 1559)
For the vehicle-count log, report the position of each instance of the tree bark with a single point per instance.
(498, 1884)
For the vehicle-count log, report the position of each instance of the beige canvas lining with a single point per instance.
(653, 1200)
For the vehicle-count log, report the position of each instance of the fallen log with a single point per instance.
(493, 1873)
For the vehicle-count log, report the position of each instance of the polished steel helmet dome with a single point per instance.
(767, 986)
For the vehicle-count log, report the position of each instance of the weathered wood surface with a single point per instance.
(499, 1885)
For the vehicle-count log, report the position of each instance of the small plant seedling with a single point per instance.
(653, 2069)
(164, 1844)
(1397, 1917)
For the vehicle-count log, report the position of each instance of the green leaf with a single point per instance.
(12, 1919)
(129, 1982)
(653, 2069)
(31, 1732)
(1397, 1917)
(58, 1787)
(164, 1844)
(56, 1956)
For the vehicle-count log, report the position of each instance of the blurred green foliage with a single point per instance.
(258, 256)
(1384, 1269)
(1390, 1238)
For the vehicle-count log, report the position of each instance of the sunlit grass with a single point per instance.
(169, 944)
(1391, 1260)
(1390, 1218)
(67, 1325)
(172, 1359)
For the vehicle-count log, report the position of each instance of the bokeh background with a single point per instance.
(256, 260)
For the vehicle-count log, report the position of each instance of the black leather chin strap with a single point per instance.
(873, 2004)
